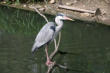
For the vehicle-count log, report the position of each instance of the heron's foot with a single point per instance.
(49, 63)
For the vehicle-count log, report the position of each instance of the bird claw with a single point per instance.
(50, 63)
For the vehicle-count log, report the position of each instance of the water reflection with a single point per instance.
(84, 47)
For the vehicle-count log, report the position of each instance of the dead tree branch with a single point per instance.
(56, 46)
(50, 68)
(40, 14)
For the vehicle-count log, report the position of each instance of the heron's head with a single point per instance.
(62, 16)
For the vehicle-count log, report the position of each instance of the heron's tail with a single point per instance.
(34, 48)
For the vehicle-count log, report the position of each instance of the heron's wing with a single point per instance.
(45, 35)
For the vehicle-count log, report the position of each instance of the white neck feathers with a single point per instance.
(59, 23)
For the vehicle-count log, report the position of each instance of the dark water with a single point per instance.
(87, 45)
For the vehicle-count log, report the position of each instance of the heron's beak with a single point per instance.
(67, 18)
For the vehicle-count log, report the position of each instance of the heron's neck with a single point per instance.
(59, 24)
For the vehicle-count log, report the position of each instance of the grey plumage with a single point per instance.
(49, 31)
(45, 35)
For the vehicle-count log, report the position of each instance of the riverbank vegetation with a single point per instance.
(84, 10)
(20, 1)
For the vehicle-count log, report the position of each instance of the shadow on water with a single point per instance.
(84, 48)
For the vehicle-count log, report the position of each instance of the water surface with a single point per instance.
(86, 45)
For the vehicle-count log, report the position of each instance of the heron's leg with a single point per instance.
(48, 62)
(46, 51)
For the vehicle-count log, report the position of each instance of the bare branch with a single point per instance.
(61, 66)
(56, 46)
(50, 68)
(40, 14)
(55, 43)
(59, 40)
(45, 2)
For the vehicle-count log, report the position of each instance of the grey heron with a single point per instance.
(48, 32)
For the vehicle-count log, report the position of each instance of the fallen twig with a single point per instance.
(76, 9)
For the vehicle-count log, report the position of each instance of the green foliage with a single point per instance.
(17, 2)
(21, 1)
